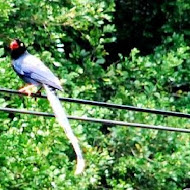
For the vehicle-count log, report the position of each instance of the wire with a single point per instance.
(108, 105)
(103, 121)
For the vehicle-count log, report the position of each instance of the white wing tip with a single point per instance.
(80, 166)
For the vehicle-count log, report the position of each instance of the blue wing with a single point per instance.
(32, 70)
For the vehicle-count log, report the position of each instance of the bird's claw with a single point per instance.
(38, 93)
(27, 89)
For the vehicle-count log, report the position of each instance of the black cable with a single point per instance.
(103, 121)
(108, 105)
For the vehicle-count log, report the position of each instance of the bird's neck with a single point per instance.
(15, 54)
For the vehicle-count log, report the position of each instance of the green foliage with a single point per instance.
(180, 11)
(148, 22)
(155, 159)
(71, 38)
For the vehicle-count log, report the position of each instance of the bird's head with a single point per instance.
(16, 44)
(17, 48)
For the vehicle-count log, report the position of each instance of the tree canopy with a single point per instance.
(126, 52)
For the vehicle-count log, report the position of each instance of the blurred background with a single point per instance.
(125, 52)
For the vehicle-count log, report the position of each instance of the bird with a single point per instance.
(37, 75)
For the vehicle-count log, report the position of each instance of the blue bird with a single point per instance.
(36, 74)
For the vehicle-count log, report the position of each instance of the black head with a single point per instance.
(17, 48)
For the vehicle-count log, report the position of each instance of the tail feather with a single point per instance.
(64, 122)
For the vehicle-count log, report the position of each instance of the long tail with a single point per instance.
(64, 122)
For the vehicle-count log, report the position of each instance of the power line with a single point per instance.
(107, 105)
(102, 121)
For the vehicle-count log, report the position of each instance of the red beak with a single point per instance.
(14, 45)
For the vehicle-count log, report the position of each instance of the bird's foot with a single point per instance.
(28, 89)
(38, 93)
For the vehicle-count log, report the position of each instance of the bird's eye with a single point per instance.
(21, 44)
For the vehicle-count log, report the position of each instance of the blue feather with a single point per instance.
(64, 122)
(34, 71)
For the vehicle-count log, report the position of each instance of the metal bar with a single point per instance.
(107, 105)
(103, 121)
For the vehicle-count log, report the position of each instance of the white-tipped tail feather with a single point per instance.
(64, 122)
